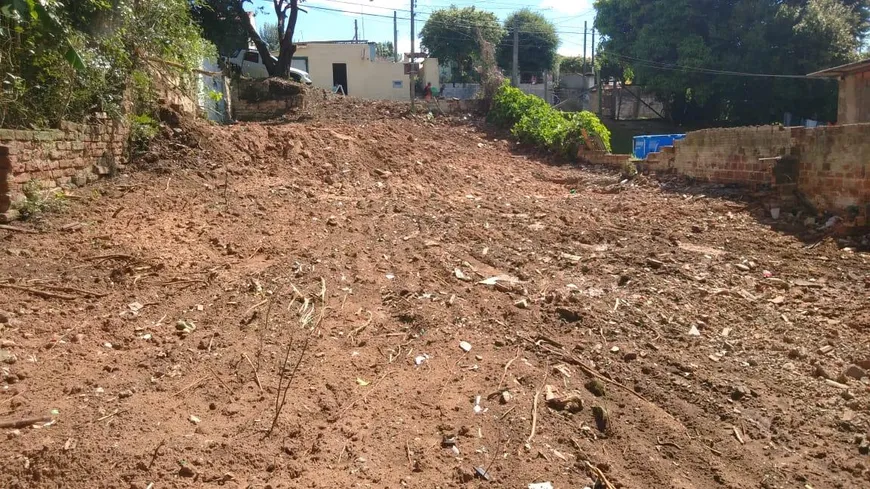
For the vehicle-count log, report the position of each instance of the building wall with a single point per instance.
(70, 156)
(854, 99)
(366, 78)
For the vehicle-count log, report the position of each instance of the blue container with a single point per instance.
(644, 145)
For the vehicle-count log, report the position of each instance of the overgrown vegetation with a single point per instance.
(533, 121)
(66, 59)
(687, 53)
(37, 201)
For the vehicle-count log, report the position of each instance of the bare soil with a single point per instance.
(151, 322)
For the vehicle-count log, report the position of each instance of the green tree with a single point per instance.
(220, 24)
(287, 12)
(269, 34)
(451, 35)
(385, 50)
(574, 64)
(538, 42)
(680, 49)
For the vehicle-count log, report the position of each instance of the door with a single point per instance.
(339, 76)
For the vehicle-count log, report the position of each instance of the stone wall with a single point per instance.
(261, 100)
(70, 156)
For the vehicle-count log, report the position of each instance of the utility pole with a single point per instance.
(584, 49)
(412, 70)
(515, 72)
(593, 49)
(355, 31)
(395, 37)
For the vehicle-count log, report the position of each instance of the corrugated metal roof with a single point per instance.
(838, 71)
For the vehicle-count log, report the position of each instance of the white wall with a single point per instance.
(366, 78)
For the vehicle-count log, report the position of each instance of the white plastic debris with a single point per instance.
(477, 408)
(421, 359)
(693, 331)
(466, 346)
(541, 485)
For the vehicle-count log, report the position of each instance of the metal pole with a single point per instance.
(546, 87)
(598, 77)
(593, 50)
(355, 31)
(411, 75)
(515, 73)
(395, 37)
(584, 51)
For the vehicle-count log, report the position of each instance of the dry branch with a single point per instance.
(40, 293)
(22, 423)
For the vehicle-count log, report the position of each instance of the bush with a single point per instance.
(533, 121)
(36, 201)
(143, 128)
(509, 105)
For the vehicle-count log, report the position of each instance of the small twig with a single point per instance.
(40, 293)
(115, 413)
(109, 257)
(154, 455)
(737, 435)
(16, 229)
(667, 443)
(21, 423)
(191, 386)
(535, 405)
(358, 330)
(601, 477)
(86, 293)
(255, 306)
(364, 396)
(215, 375)
(507, 412)
(506, 367)
(256, 375)
(408, 449)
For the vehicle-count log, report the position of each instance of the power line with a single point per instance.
(448, 24)
(708, 71)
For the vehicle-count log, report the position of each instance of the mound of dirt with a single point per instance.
(445, 310)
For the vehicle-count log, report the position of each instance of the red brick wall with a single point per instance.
(70, 156)
(833, 162)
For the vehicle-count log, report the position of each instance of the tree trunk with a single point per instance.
(262, 47)
(288, 48)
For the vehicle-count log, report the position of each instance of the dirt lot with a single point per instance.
(644, 334)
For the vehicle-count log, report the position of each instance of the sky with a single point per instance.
(375, 19)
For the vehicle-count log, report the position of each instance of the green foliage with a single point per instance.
(220, 24)
(37, 202)
(451, 35)
(509, 104)
(574, 64)
(143, 128)
(668, 45)
(385, 50)
(269, 33)
(532, 121)
(538, 42)
(112, 39)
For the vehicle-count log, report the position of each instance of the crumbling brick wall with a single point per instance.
(734, 155)
(70, 156)
(829, 165)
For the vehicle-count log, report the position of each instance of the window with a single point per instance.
(252, 56)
